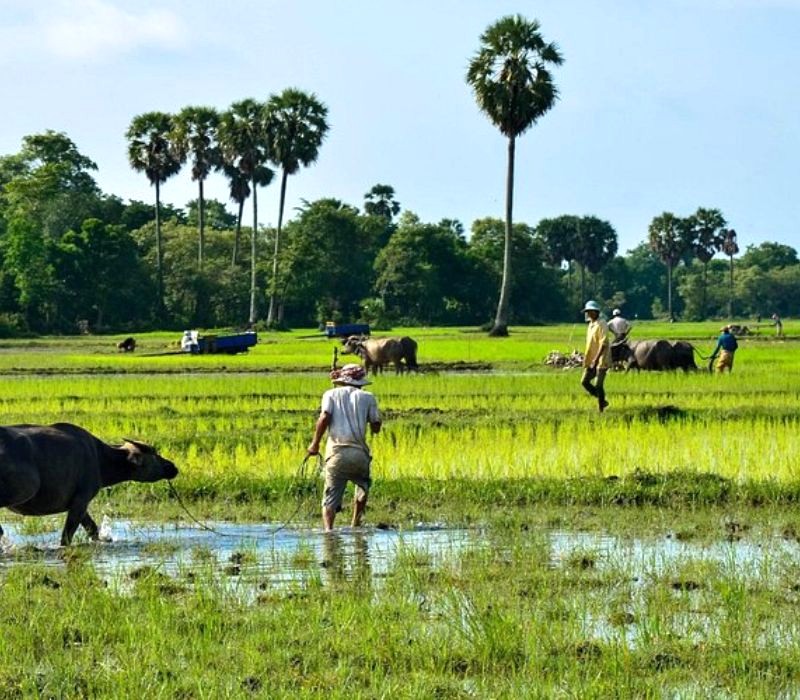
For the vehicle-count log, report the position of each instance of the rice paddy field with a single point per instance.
(649, 551)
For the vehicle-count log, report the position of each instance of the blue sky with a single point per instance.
(665, 105)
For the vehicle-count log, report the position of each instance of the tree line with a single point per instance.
(70, 253)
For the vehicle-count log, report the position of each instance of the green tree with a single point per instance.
(102, 273)
(297, 124)
(195, 138)
(706, 230)
(243, 139)
(510, 76)
(327, 262)
(380, 201)
(670, 238)
(535, 289)
(216, 215)
(593, 247)
(423, 270)
(730, 247)
(559, 238)
(151, 151)
(768, 256)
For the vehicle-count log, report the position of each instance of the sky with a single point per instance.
(664, 105)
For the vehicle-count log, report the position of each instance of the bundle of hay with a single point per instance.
(559, 359)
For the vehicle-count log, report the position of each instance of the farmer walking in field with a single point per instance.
(346, 411)
(597, 357)
(726, 348)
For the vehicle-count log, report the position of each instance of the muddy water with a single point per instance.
(269, 556)
(272, 556)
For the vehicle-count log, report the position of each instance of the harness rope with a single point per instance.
(300, 477)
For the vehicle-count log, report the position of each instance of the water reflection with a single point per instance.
(346, 559)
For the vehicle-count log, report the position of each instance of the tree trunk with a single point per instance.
(273, 283)
(705, 292)
(730, 300)
(252, 320)
(583, 284)
(669, 291)
(500, 327)
(237, 235)
(202, 226)
(159, 271)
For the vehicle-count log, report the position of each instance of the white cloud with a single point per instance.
(90, 29)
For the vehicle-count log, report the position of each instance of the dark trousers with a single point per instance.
(595, 389)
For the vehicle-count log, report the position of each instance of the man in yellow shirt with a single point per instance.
(597, 357)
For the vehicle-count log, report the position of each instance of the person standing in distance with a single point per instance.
(346, 412)
(619, 326)
(597, 357)
(726, 349)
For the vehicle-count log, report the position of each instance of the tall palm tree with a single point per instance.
(669, 238)
(195, 137)
(150, 150)
(708, 227)
(510, 76)
(297, 124)
(243, 139)
(730, 247)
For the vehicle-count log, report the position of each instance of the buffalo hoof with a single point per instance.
(602, 404)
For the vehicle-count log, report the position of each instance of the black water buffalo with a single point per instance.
(379, 352)
(127, 345)
(46, 469)
(657, 355)
(683, 355)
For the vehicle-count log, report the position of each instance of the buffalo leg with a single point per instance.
(75, 516)
(90, 526)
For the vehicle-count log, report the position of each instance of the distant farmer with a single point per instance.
(619, 326)
(776, 320)
(597, 357)
(346, 411)
(726, 348)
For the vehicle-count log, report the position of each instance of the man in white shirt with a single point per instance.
(619, 326)
(346, 411)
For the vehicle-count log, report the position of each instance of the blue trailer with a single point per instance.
(343, 330)
(218, 344)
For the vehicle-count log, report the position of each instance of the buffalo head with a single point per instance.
(352, 344)
(146, 464)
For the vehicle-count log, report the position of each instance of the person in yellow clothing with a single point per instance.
(597, 357)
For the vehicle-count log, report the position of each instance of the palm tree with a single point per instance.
(150, 150)
(195, 137)
(707, 227)
(297, 124)
(380, 201)
(670, 239)
(730, 247)
(510, 76)
(598, 245)
(243, 141)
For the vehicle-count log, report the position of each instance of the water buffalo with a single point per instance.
(657, 355)
(46, 469)
(378, 352)
(648, 355)
(127, 345)
(683, 355)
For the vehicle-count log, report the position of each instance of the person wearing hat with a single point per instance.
(346, 411)
(597, 357)
(726, 348)
(619, 326)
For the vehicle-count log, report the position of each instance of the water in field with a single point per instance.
(262, 556)
(253, 559)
